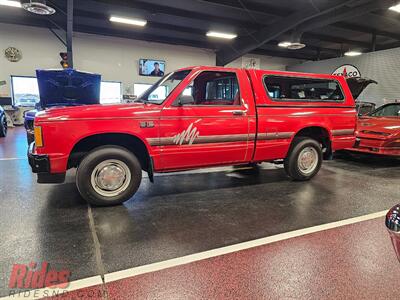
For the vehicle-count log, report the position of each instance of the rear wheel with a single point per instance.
(304, 159)
(108, 176)
(3, 126)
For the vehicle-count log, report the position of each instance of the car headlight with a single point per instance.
(38, 136)
(395, 143)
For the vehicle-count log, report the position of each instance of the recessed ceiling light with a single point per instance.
(10, 3)
(353, 53)
(284, 44)
(395, 8)
(135, 22)
(38, 7)
(292, 45)
(221, 35)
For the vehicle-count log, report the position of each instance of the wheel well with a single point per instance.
(130, 142)
(319, 134)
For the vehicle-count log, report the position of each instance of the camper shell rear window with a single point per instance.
(303, 89)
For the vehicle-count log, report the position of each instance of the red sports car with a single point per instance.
(379, 132)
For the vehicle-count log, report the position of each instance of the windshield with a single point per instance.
(390, 110)
(157, 93)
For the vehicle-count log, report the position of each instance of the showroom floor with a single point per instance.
(191, 212)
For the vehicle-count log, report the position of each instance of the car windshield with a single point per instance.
(160, 91)
(390, 110)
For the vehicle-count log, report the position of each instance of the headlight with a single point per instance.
(395, 143)
(38, 136)
(375, 132)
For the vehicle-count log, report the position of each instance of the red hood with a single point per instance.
(130, 110)
(386, 125)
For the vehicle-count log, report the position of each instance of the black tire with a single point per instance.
(291, 162)
(3, 126)
(87, 186)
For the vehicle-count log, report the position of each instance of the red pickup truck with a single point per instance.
(193, 118)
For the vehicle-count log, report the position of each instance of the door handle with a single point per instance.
(238, 112)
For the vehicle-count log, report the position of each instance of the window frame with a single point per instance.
(382, 107)
(175, 103)
(120, 91)
(12, 89)
(302, 100)
(137, 83)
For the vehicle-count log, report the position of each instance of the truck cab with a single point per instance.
(194, 118)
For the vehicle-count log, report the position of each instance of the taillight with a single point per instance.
(38, 136)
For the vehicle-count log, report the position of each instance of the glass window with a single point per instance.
(140, 88)
(110, 92)
(213, 88)
(25, 90)
(303, 89)
(390, 110)
(164, 87)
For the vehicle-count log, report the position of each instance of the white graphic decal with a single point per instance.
(188, 135)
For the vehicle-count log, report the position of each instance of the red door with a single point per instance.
(208, 124)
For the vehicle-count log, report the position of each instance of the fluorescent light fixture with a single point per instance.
(284, 44)
(352, 53)
(221, 35)
(10, 3)
(395, 8)
(135, 22)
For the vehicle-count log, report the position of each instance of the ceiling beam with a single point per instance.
(190, 9)
(167, 15)
(367, 29)
(274, 44)
(247, 44)
(280, 54)
(343, 13)
(333, 39)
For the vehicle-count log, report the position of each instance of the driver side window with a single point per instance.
(212, 88)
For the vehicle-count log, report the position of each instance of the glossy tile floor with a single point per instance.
(180, 214)
(349, 262)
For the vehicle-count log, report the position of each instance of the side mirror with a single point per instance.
(185, 100)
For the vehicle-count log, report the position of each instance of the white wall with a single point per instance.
(267, 62)
(382, 66)
(114, 58)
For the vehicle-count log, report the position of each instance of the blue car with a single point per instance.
(63, 88)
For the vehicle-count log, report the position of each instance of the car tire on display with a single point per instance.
(3, 126)
(304, 159)
(108, 175)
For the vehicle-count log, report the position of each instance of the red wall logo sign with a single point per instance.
(347, 71)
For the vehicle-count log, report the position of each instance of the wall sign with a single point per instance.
(347, 71)
(13, 54)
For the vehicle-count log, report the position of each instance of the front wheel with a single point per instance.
(108, 175)
(3, 125)
(304, 159)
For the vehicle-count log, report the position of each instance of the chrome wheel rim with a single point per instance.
(308, 160)
(111, 178)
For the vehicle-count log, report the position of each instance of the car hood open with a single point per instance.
(68, 88)
(358, 84)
